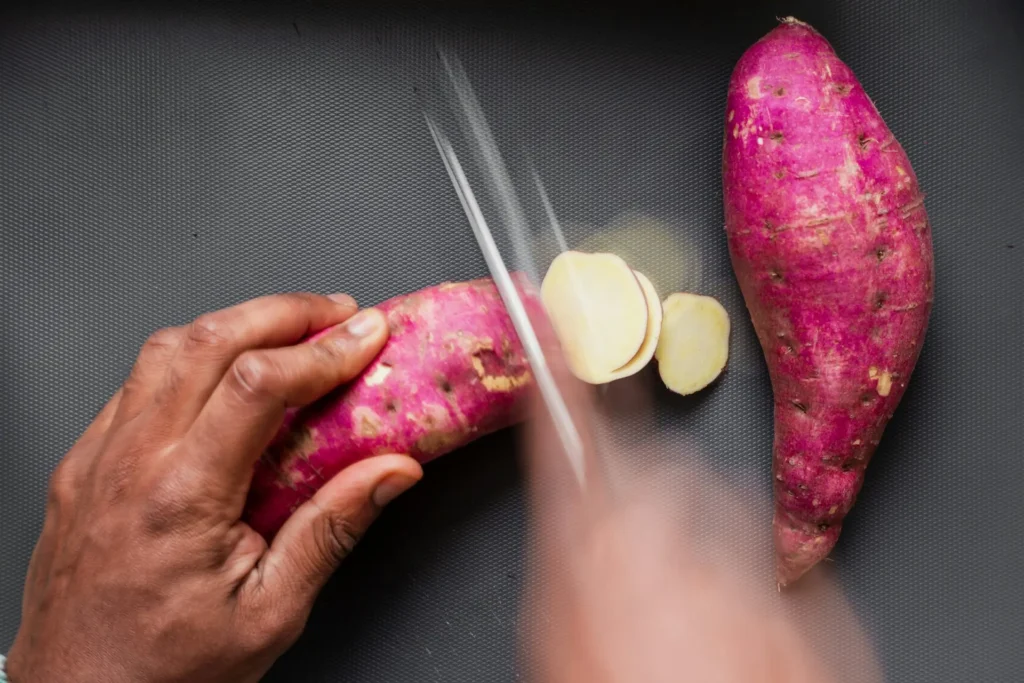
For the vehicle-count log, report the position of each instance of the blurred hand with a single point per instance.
(143, 571)
(622, 591)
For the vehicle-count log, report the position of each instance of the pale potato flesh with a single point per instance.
(694, 344)
(598, 310)
(654, 318)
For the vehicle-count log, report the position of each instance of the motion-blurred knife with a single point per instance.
(552, 396)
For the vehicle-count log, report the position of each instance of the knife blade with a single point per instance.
(554, 401)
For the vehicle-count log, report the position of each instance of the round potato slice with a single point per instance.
(598, 310)
(694, 344)
(650, 343)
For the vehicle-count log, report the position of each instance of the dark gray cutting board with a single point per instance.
(160, 161)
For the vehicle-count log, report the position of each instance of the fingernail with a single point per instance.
(392, 487)
(343, 299)
(365, 323)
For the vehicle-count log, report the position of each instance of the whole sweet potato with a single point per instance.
(832, 249)
(453, 370)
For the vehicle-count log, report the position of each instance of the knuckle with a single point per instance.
(301, 300)
(253, 376)
(62, 487)
(337, 537)
(161, 341)
(155, 350)
(292, 304)
(332, 350)
(210, 330)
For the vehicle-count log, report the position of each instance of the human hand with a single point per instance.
(629, 585)
(143, 571)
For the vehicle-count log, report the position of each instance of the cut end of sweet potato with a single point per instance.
(599, 311)
(694, 345)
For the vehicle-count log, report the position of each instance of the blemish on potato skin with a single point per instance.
(884, 386)
(297, 444)
(377, 375)
(907, 209)
(754, 88)
(505, 383)
(366, 423)
(439, 441)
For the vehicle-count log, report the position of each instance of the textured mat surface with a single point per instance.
(159, 162)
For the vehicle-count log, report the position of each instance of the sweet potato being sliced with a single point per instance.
(452, 371)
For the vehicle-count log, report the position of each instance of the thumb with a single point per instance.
(325, 529)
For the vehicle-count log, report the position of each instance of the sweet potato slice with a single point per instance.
(694, 344)
(598, 309)
(650, 343)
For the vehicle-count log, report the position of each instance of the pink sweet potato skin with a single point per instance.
(452, 370)
(832, 249)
